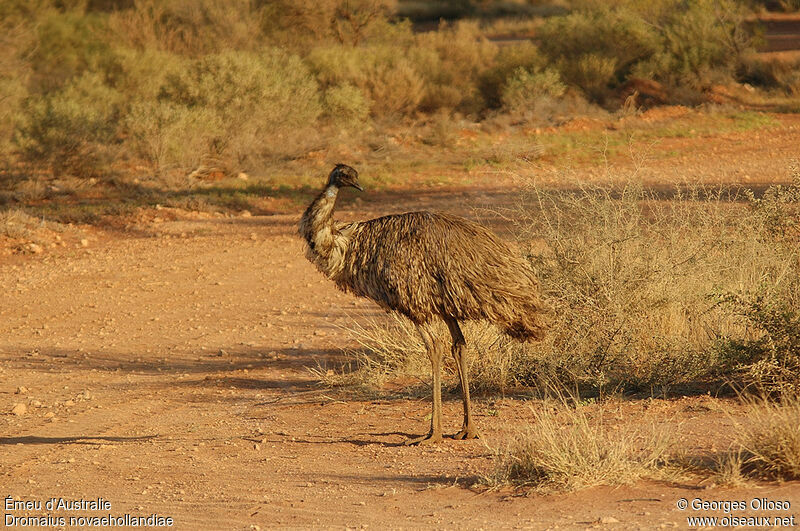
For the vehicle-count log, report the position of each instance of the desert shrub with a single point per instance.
(171, 136)
(140, 75)
(16, 37)
(770, 74)
(509, 59)
(306, 22)
(346, 104)
(70, 130)
(565, 449)
(769, 358)
(67, 45)
(601, 44)
(526, 91)
(255, 100)
(451, 61)
(387, 78)
(597, 47)
(769, 440)
(707, 37)
(188, 27)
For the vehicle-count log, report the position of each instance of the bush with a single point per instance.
(509, 59)
(346, 104)
(769, 357)
(387, 78)
(70, 130)
(171, 136)
(600, 45)
(257, 100)
(597, 47)
(67, 45)
(451, 60)
(531, 92)
(188, 27)
(708, 37)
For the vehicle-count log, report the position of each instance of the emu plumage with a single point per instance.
(429, 267)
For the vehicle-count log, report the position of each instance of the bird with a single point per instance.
(430, 267)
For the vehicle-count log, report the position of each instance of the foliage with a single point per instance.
(70, 129)
(250, 96)
(527, 91)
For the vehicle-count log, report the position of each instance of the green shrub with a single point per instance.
(451, 60)
(707, 36)
(67, 45)
(256, 100)
(527, 91)
(387, 78)
(70, 130)
(601, 44)
(171, 136)
(508, 60)
(346, 104)
(597, 46)
(189, 27)
(302, 23)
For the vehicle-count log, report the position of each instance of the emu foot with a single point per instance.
(429, 438)
(467, 433)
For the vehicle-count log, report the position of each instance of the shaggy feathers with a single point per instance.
(425, 264)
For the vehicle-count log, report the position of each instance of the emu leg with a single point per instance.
(468, 430)
(435, 354)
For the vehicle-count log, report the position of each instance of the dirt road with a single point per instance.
(166, 372)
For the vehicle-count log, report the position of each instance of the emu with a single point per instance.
(429, 267)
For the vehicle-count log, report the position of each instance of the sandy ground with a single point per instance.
(166, 371)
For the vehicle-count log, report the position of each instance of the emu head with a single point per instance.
(343, 175)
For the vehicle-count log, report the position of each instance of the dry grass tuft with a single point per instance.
(565, 449)
(770, 439)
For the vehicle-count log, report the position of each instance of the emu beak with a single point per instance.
(357, 187)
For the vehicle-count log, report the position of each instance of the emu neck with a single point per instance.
(325, 244)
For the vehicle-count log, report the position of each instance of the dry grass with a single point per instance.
(770, 439)
(566, 449)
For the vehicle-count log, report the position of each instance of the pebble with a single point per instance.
(609, 520)
(84, 242)
(22, 390)
(34, 248)
(19, 409)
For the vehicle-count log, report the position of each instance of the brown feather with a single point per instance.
(425, 264)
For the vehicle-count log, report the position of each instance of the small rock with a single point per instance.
(609, 520)
(246, 214)
(36, 403)
(22, 390)
(69, 403)
(35, 249)
(84, 242)
(242, 176)
(253, 236)
(19, 409)
(49, 415)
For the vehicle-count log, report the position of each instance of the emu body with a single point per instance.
(430, 267)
